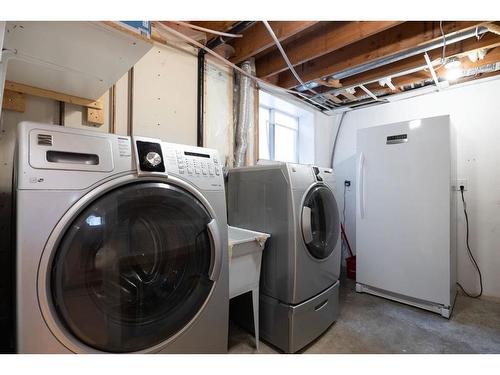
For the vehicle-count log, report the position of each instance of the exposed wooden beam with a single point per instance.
(257, 39)
(330, 82)
(35, 91)
(327, 37)
(492, 56)
(95, 116)
(14, 101)
(386, 43)
(214, 25)
(199, 36)
(488, 41)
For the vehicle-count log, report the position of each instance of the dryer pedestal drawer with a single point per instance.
(291, 327)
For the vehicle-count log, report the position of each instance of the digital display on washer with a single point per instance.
(187, 153)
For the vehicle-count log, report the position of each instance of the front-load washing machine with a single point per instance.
(301, 263)
(121, 244)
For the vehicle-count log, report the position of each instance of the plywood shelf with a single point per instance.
(79, 59)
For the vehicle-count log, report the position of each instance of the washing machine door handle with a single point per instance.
(215, 262)
(306, 224)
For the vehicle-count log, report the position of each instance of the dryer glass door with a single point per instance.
(132, 269)
(320, 222)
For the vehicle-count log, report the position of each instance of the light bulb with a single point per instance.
(452, 64)
(453, 74)
(473, 56)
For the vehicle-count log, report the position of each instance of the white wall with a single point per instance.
(475, 111)
(165, 94)
(325, 128)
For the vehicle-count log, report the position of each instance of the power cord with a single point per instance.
(346, 185)
(469, 251)
(443, 54)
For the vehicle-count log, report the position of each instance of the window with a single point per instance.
(279, 133)
(286, 129)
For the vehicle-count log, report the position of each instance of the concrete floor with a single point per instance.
(369, 324)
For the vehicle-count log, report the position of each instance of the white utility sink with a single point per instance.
(245, 254)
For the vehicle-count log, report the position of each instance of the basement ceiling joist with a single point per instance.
(492, 57)
(389, 42)
(333, 56)
(215, 25)
(326, 38)
(220, 26)
(256, 39)
(487, 42)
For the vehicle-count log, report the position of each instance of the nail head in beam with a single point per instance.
(13, 101)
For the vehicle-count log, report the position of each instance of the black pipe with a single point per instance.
(201, 97)
(130, 101)
(238, 28)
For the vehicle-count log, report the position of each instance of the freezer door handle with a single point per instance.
(306, 225)
(361, 185)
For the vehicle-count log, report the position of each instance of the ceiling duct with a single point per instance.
(451, 39)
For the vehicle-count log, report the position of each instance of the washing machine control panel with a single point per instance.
(199, 165)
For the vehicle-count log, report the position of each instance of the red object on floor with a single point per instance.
(350, 260)
(351, 267)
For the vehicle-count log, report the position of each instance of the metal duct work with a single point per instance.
(419, 87)
(488, 68)
(242, 118)
(450, 39)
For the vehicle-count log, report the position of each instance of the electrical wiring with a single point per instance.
(336, 138)
(471, 257)
(285, 57)
(343, 207)
(443, 54)
(343, 220)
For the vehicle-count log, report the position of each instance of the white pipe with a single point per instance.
(209, 31)
(371, 94)
(283, 54)
(288, 62)
(433, 72)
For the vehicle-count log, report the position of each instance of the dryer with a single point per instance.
(121, 244)
(301, 264)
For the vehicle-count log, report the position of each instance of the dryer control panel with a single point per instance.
(325, 175)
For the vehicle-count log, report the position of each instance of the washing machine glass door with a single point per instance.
(320, 221)
(132, 269)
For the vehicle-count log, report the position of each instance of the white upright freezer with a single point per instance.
(406, 213)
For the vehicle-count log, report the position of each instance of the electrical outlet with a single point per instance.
(461, 182)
